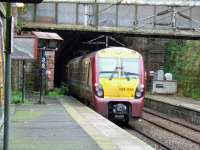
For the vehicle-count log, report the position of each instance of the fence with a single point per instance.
(113, 15)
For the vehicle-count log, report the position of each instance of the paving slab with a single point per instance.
(67, 124)
(1, 140)
(47, 127)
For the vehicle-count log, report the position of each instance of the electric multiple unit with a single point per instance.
(110, 80)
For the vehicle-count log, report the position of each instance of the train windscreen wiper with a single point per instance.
(127, 76)
(114, 71)
(132, 74)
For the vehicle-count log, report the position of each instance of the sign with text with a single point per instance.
(22, 1)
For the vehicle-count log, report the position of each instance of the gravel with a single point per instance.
(169, 139)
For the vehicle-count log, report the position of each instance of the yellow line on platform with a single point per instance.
(72, 106)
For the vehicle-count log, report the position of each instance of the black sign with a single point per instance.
(22, 1)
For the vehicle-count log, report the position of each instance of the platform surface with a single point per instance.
(67, 124)
(185, 102)
(1, 139)
(47, 127)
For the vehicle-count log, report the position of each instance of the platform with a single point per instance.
(180, 107)
(67, 124)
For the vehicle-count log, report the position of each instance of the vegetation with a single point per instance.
(17, 97)
(182, 59)
(58, 92)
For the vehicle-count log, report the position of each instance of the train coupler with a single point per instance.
(119, 111)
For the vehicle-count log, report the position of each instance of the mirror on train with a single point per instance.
(22, 1)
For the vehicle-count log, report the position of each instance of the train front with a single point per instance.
(119, 89)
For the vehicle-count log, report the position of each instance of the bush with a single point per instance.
(182, 59)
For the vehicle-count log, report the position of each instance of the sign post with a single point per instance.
(43, 63)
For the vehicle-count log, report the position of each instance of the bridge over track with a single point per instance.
(145, 18)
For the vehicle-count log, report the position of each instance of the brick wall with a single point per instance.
(51, 67)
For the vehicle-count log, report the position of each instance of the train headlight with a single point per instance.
(99, 91)
(139, 91)
(138, 94)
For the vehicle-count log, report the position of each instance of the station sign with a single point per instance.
(22, 1)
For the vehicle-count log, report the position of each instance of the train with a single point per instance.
(110, 80)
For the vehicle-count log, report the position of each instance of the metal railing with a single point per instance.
(114, 15)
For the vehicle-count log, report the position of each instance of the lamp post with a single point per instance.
(7, 77)
(8, 47)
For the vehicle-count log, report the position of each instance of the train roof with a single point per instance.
(111, 52)
(116, 51)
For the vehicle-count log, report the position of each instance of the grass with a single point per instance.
(56, 92)
(17, 97)
(59, 92)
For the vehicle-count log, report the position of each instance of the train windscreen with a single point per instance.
(130, 68)
(119, 77)
(108, 68)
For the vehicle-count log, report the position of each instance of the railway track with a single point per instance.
(185, 124)
(184, 131)
(157, 142)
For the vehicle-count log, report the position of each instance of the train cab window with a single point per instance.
(108, 68)
(130, 68)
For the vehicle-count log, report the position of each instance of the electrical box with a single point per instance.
(164, 87)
